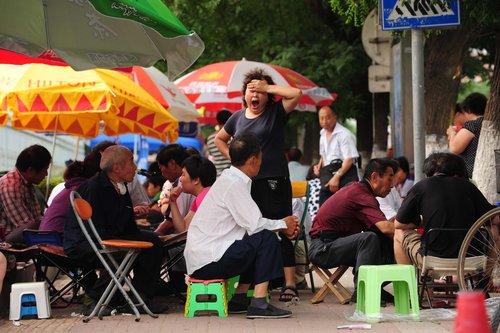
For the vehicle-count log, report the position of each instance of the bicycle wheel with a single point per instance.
(495, 320)
(479, 256)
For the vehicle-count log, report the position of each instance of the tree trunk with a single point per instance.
(380, 122)
(485, 174)
(364, 135)
(311, 142)
(444, 57)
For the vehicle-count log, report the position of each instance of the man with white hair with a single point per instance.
(114, 218)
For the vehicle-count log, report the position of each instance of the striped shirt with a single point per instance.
(18, 203)
(216, 156)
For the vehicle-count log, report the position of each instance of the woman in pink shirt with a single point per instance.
(198, 175)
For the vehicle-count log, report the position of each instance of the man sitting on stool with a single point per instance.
(445, 199)
(350, 229)
(228, 235)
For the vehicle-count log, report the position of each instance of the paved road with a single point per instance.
(307, 318)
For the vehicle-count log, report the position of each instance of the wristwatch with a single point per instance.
(339, 173)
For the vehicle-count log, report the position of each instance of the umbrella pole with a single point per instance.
(49, 172)
(77, 148)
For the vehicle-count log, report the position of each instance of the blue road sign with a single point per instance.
(413, 14)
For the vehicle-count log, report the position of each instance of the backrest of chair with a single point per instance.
(83, 208)
(83, 212)
(449, 266)
(301, 189)
(36, 237)
(453, 233)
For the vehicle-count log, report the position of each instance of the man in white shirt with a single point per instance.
(337, 147)
(390, 204)
(228, 235)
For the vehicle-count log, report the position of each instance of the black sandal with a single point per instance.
(292, 296)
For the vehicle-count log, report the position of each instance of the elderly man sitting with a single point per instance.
(114, 217)
(228, 235)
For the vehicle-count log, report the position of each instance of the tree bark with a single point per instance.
(364, 135)
(381, 111)
(311, 143)
(485, 168)
(444, 57)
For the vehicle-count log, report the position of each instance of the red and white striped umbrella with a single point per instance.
(218, 86)
(172, 98)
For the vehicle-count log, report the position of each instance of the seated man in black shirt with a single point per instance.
(446, 199)
(114, 218)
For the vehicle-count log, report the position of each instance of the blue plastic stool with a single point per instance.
(403, 278)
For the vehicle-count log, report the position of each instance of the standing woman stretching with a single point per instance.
(271, 189)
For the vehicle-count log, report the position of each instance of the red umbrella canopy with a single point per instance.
(219, 85)
(47, 57)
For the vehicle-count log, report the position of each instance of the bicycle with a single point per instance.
(479, 259)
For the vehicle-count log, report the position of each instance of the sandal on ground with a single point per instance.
(289, 294)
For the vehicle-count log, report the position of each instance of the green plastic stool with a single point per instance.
(205, 287)
(232, 284)
(370, 279)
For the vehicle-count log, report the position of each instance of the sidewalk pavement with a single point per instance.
(307, 317)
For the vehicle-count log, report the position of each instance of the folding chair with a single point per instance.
(301, 190)
(445, 267)
(119, 272)
(48, 252)
(332, 284)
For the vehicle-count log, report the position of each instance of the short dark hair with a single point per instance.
(257, 74)
(379, 165)
(192, 151)
(403, 164)
(101, 146)
(200, 167)
(35, 156)
(93, 160)
(174, 152)
(91, 163)
(474, 103)
(154, 169)
(445, 163)
(242, 148)
(156, 180)
(222, 116)
(73, 170)
(294, 154)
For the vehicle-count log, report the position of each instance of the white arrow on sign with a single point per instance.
(419, 8)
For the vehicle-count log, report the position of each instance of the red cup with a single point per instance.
(471, 313)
